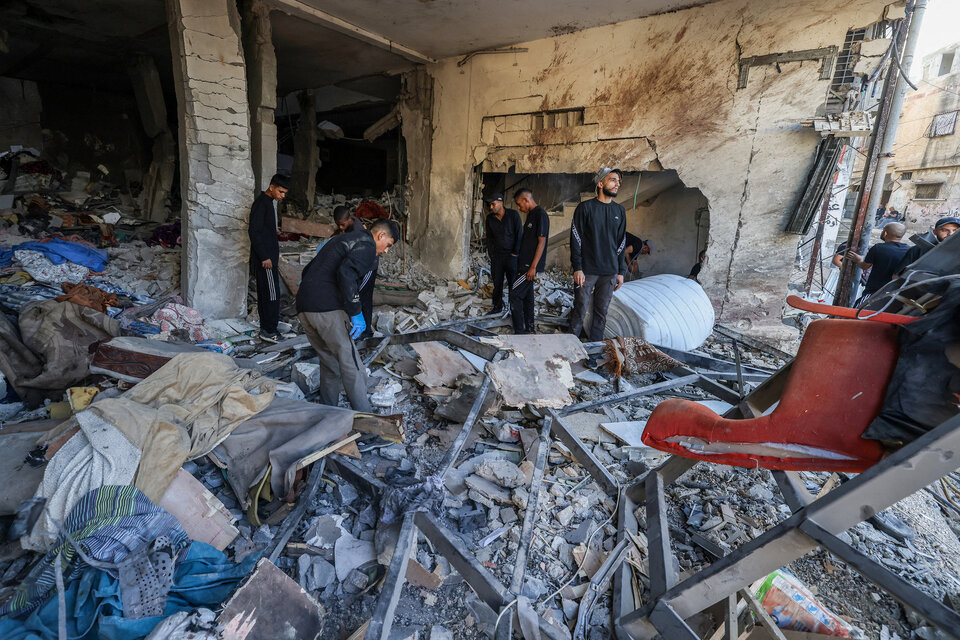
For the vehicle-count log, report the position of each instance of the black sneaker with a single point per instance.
(270, 337)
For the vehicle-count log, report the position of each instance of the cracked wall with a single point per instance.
(216, 175)
(646, 94)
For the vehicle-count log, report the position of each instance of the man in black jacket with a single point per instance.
(265, 255)
(328, 305)
(504, 231)
(348, 223)
(598, 237)
(531, 260)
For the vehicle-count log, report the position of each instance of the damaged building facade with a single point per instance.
(178, 459)
(700, 106)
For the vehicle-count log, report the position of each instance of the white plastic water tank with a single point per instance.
(667, 310)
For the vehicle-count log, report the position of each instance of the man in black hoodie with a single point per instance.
(265, 255)
(328, 305)
(598, 237)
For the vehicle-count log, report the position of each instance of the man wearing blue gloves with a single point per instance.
(329, 298)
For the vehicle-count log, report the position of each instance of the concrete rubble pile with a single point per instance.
(269, 497)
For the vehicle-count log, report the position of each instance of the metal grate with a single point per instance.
(930, 191)
(943, 124)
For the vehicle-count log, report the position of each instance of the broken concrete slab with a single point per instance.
(306, 376)
(538, 370)
(586, 426)
(487, 489)
(270, 605)
(315, 573)
(439, 365)
(503, 472)
(630, 433)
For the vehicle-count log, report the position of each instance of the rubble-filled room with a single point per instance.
(432, 320)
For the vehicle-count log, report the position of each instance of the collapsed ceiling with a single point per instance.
(318, 42)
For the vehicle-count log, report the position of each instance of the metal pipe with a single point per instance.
(887, 124)
(885, 152)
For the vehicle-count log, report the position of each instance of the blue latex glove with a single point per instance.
(359, 326)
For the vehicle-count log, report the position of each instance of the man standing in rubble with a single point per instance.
(598, 237)
(882, 258)
(349, 223)
(265, 255)
(328, 305)
(504, 231)
(531, 260)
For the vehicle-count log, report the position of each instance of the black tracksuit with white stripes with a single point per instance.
(265, 246)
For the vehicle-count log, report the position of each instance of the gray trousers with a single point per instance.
(599, 291)
(339, 361)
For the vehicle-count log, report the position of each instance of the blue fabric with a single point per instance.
(204, 578)
(59, 251)
(107, 523)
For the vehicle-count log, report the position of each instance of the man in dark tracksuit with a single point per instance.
(598, 237)
(348, 223)
(531, 260)
(265, 255)
(328, 302)
(504, 230)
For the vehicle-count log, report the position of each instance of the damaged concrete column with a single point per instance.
(261, 62)
(306, 159)
(216, 177)
(153, 115)
(416, 107)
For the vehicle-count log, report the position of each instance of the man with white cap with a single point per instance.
(598, 237)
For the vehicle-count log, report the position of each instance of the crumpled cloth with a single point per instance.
(180, 412)
(203, 578)
(14, 297)
(177, 316)
(108, 523)
(59, 251)
(52, 350)
(42, 269)
(88, 296)
(279, 436)
(97, 455)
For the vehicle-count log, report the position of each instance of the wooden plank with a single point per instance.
(351, 450)
(307, 228)
(316, 455)
(270, 605)
(387, 427)
(203, 516)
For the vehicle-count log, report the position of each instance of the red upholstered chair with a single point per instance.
(834, 390)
